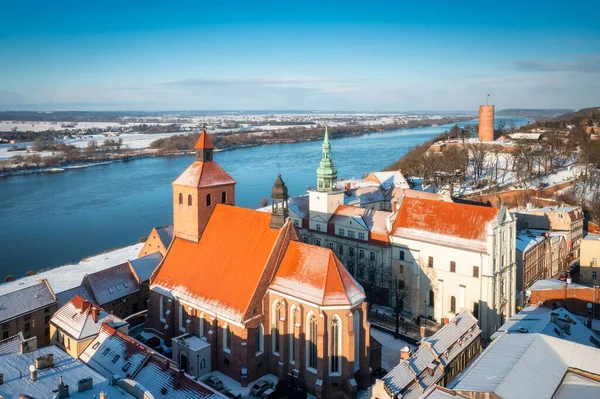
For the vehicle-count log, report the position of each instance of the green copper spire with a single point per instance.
(326, 172)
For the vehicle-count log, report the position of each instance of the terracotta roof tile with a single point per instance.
(224, 268)
(204, 142)
(316, 275)
(203, 174)
(463, 221)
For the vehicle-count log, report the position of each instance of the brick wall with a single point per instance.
(573, 299)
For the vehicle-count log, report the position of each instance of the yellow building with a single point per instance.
(590, 253)
(74, 326)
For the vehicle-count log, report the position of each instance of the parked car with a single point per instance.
(231, 394)
(213, 382)
(260, 387)
(269, 394)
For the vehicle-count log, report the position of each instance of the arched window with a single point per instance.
(311, 342)
(207, 199)
(260, 339)
(452, 304)
(180, 199)
(202, 364)
(293, 312)
(431, 298)
(335, 345)
(223, 197)
(189, 199)
(276, 316)
(227, 339)
(357, 328)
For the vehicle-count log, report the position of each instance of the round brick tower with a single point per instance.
(486, 123)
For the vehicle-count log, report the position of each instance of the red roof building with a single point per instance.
(266, 303)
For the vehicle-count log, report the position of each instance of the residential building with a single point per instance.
(554, 218)
(28, 310)
(264, 302)
(449, 256)
(559, 323)
(138, 368)
(78, 322)
(576, 298)
(17, 344)
(438, 360)
(158, 240)
(589, 267)
(532, 366)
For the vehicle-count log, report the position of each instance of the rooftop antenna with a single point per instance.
(487, 100)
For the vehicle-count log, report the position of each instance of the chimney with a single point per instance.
(422, 330)
(165, 365)
(529, 206)
(63, 390)
(454, 320)
(444, 321)
(348, 189)
(94, 312)
(404, 353)
(44, 362)
(32, 373)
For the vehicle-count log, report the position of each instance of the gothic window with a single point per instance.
(189, 199)
(357, 322)
(260, 339)
(452, 304)
(207, 199)
(335, 345)
(223, 197)
(275, 326)
(431, 298)
(180, 199)
(311, 344)
(293, 312)
(227, 339)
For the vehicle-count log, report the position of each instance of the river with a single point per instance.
(50, 219)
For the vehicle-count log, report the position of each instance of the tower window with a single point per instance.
(452, 304)
(207, 199)
(180, 199)
(223, 197)
(189, 199)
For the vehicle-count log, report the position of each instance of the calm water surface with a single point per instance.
(49, 219)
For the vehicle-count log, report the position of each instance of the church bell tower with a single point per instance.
(279, 206)
(198, 190)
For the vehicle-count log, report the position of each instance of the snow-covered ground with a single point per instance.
(390, 348)
(236, 387)
(70, 276)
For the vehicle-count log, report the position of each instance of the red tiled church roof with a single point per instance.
(316, 275)
(223, 269)
(445, 218)
(204, 142)
(203, 174)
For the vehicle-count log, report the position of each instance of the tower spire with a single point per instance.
(326, 172)
(204, 148)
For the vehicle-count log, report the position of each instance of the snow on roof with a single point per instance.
(368, 195)
(110, 284)
(591, 237)
(193, 342)
(203, 174)
(25, 300)
(395, 194)
(16, 376)
(577, 386)
(11, 345)
(299, 205)
(82, 319)
(67, 277)
(145, 266)
(316, 275)
(113, 352)
(553, 284)
(439, 349)
(534, 319)
(372, 220)
(65, 296)
(525, 136)
(165, 233)
(525, 242)
(217, 273)
(174, 382)
(526, 366)
(437, 392)
(389, 179)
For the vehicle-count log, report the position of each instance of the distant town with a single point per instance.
(467, 269)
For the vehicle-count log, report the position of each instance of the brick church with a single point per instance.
(237, 292)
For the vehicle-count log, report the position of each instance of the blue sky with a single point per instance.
(336, 55)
